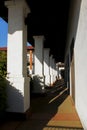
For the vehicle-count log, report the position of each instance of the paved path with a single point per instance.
(54, 111)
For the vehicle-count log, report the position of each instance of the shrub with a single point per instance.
(3, 95)
(3, 69)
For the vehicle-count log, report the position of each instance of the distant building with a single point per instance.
(30, 58)
(61, 68)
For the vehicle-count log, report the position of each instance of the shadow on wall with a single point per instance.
(15, 97)
(10, 99)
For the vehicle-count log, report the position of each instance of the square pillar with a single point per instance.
(18, 82)
(47, 66)
(38, 78)
(39, 55)
(51, 70)
(54, 76)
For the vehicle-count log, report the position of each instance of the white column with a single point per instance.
(39, 55)
(47, 66)
(57, 70)
(18, 82)
(38, 78)
(51, 69)
(54, 70)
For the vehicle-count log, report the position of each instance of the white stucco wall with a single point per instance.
(81, 65)
(72, 23)
(78, 30)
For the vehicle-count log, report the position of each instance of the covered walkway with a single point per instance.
(46, 33)
(54, 110)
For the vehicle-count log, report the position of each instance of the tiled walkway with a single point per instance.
(53, 111)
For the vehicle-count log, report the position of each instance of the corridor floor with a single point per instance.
(53, 111)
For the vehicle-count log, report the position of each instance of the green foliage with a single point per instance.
(3, 64)
(3, 69)
(3, 95)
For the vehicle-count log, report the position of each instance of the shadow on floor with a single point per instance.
(44, 107)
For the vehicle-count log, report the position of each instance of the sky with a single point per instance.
(4, 33)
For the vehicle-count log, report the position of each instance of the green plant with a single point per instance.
(3, 64)
(3, 72)
(3, 95)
